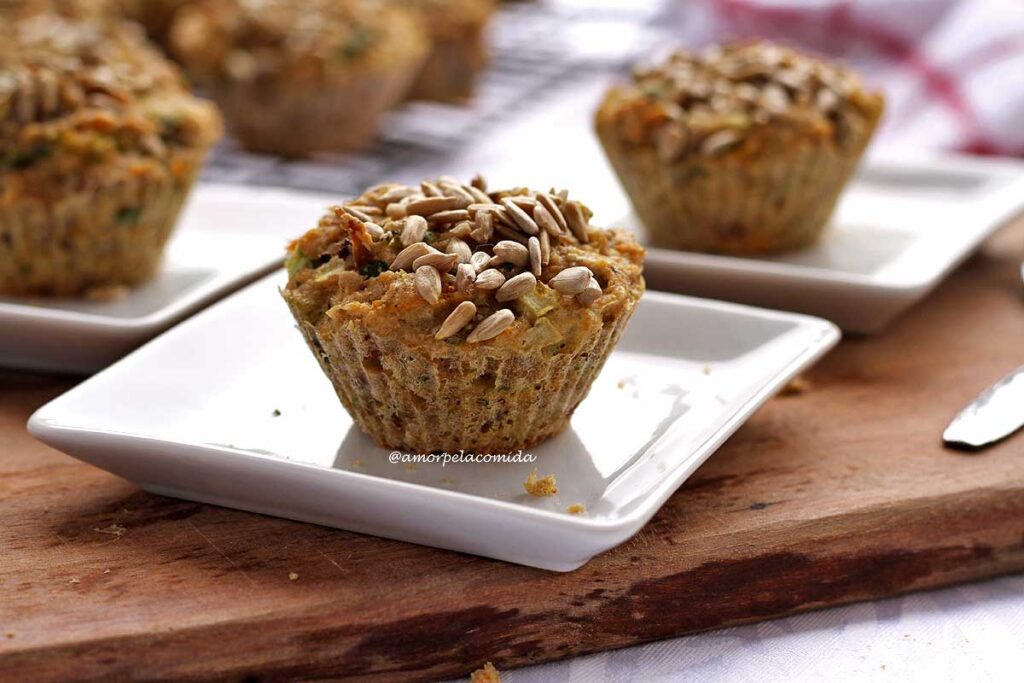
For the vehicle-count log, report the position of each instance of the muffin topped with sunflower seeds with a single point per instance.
(743, 148)
(299, 76)
(100, 143)
(451, 316)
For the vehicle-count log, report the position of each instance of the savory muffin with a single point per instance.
(299, 76)
(739, 149)
(458, 47)
(100, 143)
(13, 10)
(452, 317)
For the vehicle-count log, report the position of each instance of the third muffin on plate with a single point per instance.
(739, 149)
(299, 76)
(449, 316)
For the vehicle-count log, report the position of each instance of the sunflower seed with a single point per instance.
(512, 252)
(484, 230)
(456, 320)
(490, 279)
(428, 283)
(462, 230)
(356, 213)
(510, 233)
(478, 194)
(453, 216)
(516, 287)
(412, 252)
(826, 101)
(533, 246)
(521, 218)
(479, 182)
(373, 229)
(465, 275)
(395, 211)
(545, 248)
(460, 249)
(432, 205)
(719, 142)
(481, 207)
(414, 229)
(524, 202)
(491, 326)
(545, 220)
(591, 294)
(395, 194)
(429, 189)
(453, 189)
(479, 260)
(548, 202)
(442, 262)
(571, 281)
(577, 220)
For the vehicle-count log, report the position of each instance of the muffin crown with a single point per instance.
(711, 102)
(92, 89)
(306, 40)
(448, 262)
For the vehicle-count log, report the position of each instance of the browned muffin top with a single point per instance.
(451, 261)
(708, 102)
(74, 93)
(304, 40)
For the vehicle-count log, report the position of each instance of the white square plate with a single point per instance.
(226, 237)
(192, 414)
(900, 228)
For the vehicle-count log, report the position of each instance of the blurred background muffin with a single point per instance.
(100, 143)
(458, 51)
(299, 76)
(737, 149)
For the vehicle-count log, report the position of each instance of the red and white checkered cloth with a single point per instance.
(952, 70)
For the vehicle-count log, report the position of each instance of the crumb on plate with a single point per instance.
(539, 488)
(576, 509)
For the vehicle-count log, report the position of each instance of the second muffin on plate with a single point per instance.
(449, 317)
(100, 143)
(742, 149)
(299, 76)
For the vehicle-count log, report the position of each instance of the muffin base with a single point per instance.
(489, 401)
(780, 201)
(451, 71)
(110, 235)
(297, 121)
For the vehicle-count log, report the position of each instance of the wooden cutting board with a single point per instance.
(838, 494)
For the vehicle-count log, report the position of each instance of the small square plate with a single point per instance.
(901, 227)
(249, 421)
(226, 237)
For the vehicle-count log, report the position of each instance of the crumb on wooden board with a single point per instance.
(488, 674)
(796, 386)
(540, 487)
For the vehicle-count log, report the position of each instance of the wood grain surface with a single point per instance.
(838, 494)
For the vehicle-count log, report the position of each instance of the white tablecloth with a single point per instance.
(973, 632)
